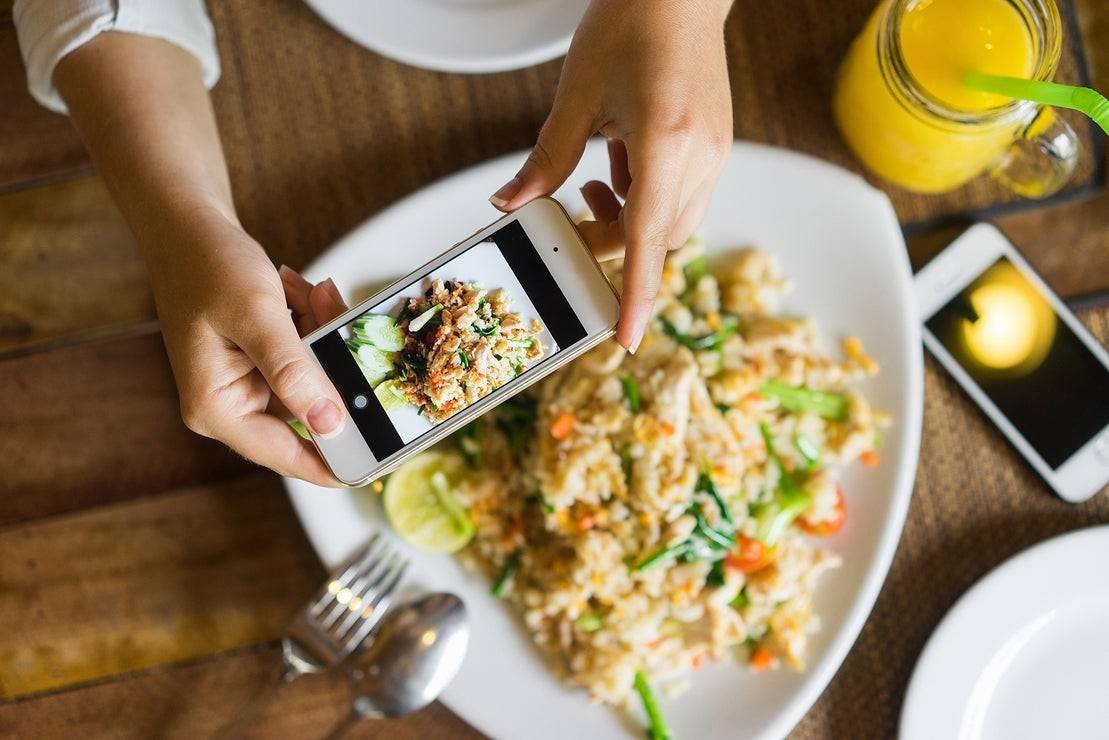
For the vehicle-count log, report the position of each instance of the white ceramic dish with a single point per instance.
(1024, 653)
(839, 240)
(458, 35)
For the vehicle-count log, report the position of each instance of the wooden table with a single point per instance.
(146, 574)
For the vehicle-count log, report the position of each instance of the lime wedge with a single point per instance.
(390, 396)
(421, 507)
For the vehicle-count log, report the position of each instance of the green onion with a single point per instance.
(715, 539)
(631, 392)
(300, 429)
(709, 341)
(657, 729)
(520, 342)
(464, 359)
(741, 600)
(542, 501)
(663, 555)
(808, 449)
(418, 323)
(715, 577)
(694, 270)
(516, 419)
(723, 408)
(705, 485)
(829, 405)
(590, 622)
(626, 462)
(789, 501)
(507, 572)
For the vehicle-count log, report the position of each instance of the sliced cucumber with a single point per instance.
(380, 331)
(418, 323)
(376, 364)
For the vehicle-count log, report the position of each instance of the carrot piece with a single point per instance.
(667, 428)
(761, 658)
(828, 527)
(562, 426)
(750, 555)
(585, 523)
(870, 458)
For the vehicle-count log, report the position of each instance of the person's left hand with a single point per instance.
(651, 76)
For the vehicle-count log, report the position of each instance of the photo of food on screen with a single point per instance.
(448, 340)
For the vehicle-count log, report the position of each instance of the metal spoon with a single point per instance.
(416, 652)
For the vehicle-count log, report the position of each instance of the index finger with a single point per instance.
(658, 170)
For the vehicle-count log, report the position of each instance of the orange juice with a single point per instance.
(900, 102)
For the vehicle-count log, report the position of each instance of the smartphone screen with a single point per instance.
(469, 327)
(1033, 367)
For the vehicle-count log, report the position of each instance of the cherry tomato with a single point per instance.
(748, 556)
(828, 527)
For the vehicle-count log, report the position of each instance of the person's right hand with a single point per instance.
(236, 353)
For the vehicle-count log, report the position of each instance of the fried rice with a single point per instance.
(472, 345)
(598, 495)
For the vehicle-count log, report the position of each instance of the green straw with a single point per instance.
(1082, 99)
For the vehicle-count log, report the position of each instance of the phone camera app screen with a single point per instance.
(442, 343)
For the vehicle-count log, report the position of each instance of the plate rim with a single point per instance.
(429, 60)
(823, 669)
(987, 590)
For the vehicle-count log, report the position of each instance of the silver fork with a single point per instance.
(336, 621)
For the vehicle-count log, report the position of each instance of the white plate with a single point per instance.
(458, 35)
(839, 240)
(1024, 653)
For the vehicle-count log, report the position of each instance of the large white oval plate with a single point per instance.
(839, 240)
(1023, 654)
(458, 35)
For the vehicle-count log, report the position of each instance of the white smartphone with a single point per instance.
(459, 335)
(1022, 356)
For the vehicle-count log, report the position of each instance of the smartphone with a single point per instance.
(1025, 359)
(459, 335)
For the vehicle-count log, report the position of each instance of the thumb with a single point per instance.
(272, 343)
(555, 155)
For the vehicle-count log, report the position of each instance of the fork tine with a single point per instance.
(378, 608)
(329, 594)
(369, 595)
(368, 577)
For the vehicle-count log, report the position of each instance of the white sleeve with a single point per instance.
(50, 29)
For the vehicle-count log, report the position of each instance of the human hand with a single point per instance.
(240, 367)
(651, 77)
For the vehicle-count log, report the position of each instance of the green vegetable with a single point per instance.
(657, 729)
(723, 408)
(705, 485)
(379, 330)
(715, 577)
(809, 451)
(418, 323)
(829, 405)
(300, 429)
(741, 600)
(507, 572)
(464, 359)
(709, 341)
(663, 555)
(715, 539)
(390, 396)
(469, 444)
(694, 270)
(376, 364)
(789, 502)
(520, 342)
(626, 462)
(516, 419)
(487, 331)
(590, 622)
(631, 392)
(542, 501)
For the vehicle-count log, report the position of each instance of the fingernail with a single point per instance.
(636, 339)
(508, 191)
(325, 418)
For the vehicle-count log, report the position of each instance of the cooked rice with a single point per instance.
(583, 510)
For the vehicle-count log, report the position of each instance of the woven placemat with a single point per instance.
(321, 133)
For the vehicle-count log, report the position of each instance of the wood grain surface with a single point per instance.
(146, 574)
